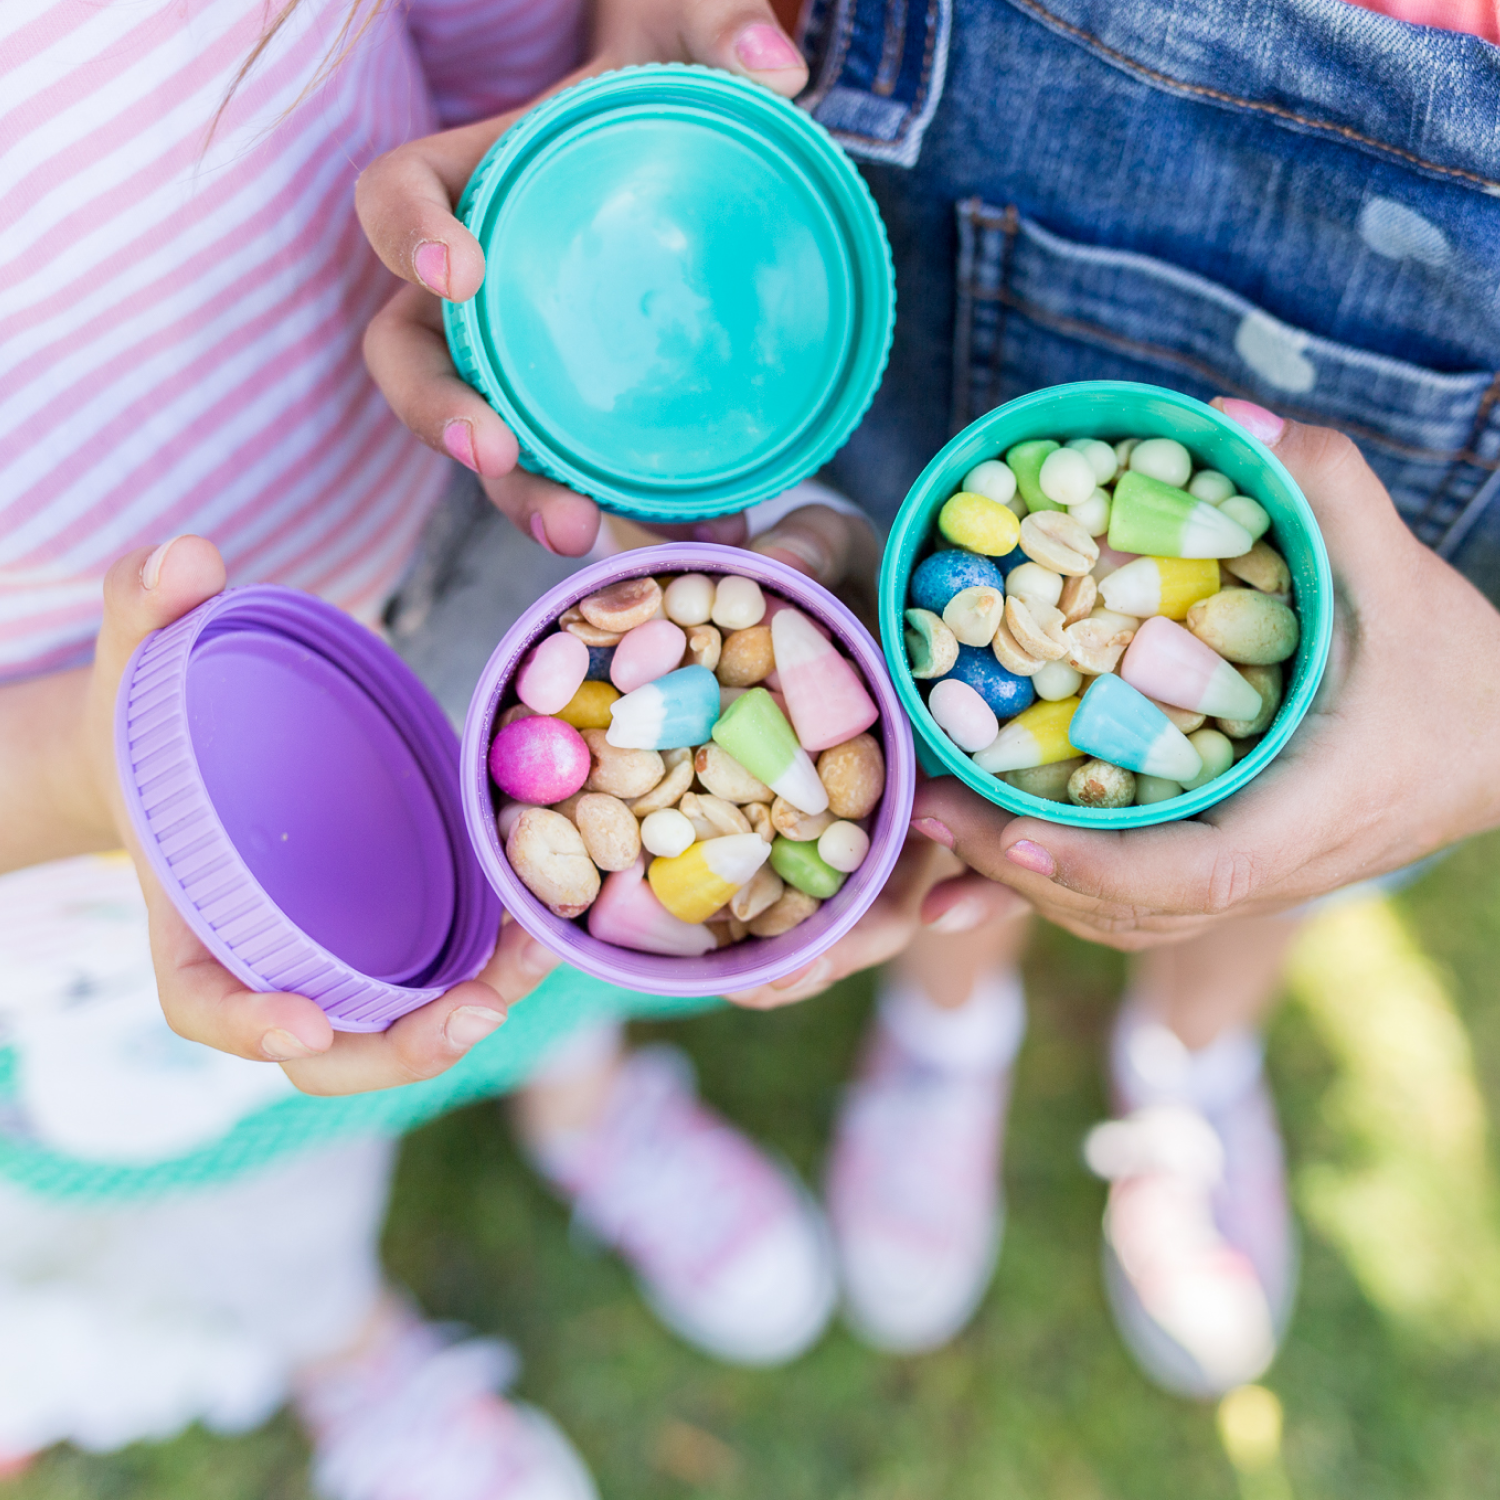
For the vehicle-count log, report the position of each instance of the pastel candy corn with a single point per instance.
(552, 673)
(826, 700)
(626, 912)
(1117, 723)
(1171, 664)
(1168, 586)
(755, 732)
(1037, 737)
(695, 884)
(646, 653)
(674, 711)
(1162, 521)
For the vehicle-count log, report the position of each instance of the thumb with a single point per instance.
(741, 36)
(146, 590)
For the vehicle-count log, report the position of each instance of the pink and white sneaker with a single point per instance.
(417, 1418)
(726, 1245)
(1200, 1254)
(913, 1185)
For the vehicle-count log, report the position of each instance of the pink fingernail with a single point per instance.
(430, 261)
(1256, 420)
(931, 828)
(1032, 857)
(470, 1024)
(281, 1046)
(539, 531)
(458, 439)
(763, 49)
(151, 568)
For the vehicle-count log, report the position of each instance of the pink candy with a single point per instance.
(553, 673)
(646, 653)
(1173, 666)
(539, 760)
(828, 703)
(627, 913)
(963, 715)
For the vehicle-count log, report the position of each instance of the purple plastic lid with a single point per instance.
(294, 788)
(756, 961)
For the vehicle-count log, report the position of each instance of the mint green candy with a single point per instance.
(1160, 520)
(801, 865)
(756, 733)
(1025, 461)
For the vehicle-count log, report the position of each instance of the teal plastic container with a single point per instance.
(689, 295)
(1113, 410)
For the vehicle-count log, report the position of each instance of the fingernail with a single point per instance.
(458, 439)
(537, 959)
(1031, 857)
(963, 916)
(763, 49)
(820, 973)
(930, 828)
(430, 261)
(539, 531)
(1256, 420)
(470, 1024)
(151, 568)
(805, 548)
(281, 1046)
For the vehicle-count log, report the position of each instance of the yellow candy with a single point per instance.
(1036, 737)
(1184, 581)
(979, 524)
(696, 883)
(588, 708)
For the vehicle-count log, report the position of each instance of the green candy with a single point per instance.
(1025, 461)
(801, 865)
(1154, 519)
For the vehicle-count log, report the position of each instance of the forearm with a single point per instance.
(50, 803)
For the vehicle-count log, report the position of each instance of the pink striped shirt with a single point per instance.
(180, 322)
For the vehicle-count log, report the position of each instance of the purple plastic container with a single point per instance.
(758, 960)
(295, 789)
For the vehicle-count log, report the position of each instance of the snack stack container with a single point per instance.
(1112, 410)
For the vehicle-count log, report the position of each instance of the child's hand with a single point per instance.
(405, 201)
(1398, 757)
(201, 999)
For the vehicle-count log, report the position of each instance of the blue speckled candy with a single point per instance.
(599, 659)
(1005, 693)
(936, 579)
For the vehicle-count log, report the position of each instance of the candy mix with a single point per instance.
(660, 765)
(1089, 609)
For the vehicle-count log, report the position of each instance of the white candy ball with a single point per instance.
(1056, 680)
(1093, 514)
(1034, 583)
(963, 715)
(1101, 458)
(1066, 477)
(667, 833)
(689, 600)
(738, 603)
(1164, 459)
(1251, 514)
(1210, 485)
(844, 846)
(993, 480)
(508, 816)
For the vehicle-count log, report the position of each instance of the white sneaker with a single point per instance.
(417, 1418)
(1199, 1251)
(914, 1193)
(726, 1245)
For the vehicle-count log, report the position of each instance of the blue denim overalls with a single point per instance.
(1293, 201)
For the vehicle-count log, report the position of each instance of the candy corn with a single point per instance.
(1162, 521)
(1037, 737)
(1117, 723)
(676, 710)
(826, 700)
(1171, 664)
(1168, 586)
(627, 913)
(694, 885)
(755, 732)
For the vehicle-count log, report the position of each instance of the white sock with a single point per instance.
(1150, 1064)
(982, 1035)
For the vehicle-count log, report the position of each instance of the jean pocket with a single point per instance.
(1037, 310)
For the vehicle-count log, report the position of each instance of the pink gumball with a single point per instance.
(539, 760)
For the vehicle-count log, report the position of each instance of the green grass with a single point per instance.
(1385, 1394)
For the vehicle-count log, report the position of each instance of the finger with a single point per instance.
(407, 356)
(740, 36)
(561, 520)
(825, 544)
(149, 588)
(969, 902)
(519, 964)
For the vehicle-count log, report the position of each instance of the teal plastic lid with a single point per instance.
(688, 299)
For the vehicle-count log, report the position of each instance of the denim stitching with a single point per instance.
(1432, 515)
(836, 44)
(892, 50)
(1093, 333)
(1479, 502)
(977, 223)
(913, 110)
(1259, 106)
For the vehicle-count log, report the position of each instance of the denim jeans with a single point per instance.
(1296, 201)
